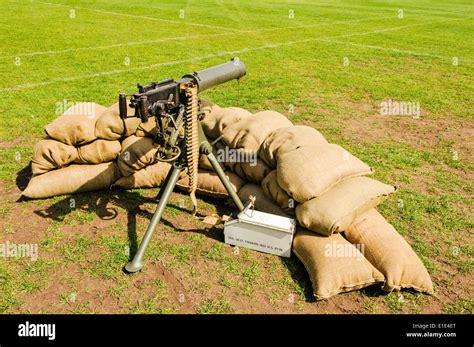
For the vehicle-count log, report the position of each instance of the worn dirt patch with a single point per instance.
(422, 133)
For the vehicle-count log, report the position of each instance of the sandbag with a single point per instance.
(51, 154)
(204, 162)
(149, 177)
(388, 251)
(74, 178)
(137, 152)
(99, 151)
(287, 139)
(76, 126)
(309, 171)
(210, 185)
(334, 265)
(262, 202)
(218, 119)
(147, 128)
(336, 209)
(272, 190)
(206, 107)
(249, 133)
(110, 126)
(254, 171)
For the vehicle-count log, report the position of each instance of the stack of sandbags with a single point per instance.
(72, 158)
(343, 242)
(369, 252)
(334, 265)
(388, 251)
(319, 182)
(326, 188)
(241, 135)
(307, 176)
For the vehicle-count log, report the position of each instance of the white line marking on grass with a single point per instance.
(137, 43)
(396, 50)
(134, 43)
(407, 9)
(212, 55)
(139, 17)
(321, 24)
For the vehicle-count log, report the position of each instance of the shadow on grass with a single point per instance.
(300, 276)
(104, 204)
(373, 291)
(23, 177)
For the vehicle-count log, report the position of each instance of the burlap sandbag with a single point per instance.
(253, 171)
(99, 151)
(309, 171)
(137, 152)
(336, 209)
(250, 132)
(205, 164)
(388, 251)
(218, 119)
(51, 154)
(287, 139)
(72, 179)
(110, 126)
(206, 107)
(149, 177)
(262, 202)
(272, 190)
(209, 184)
(334, 265)
(147, 128)
(76, 126)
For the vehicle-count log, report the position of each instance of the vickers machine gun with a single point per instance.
(181, 140)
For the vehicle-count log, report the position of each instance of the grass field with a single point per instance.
(325, 64)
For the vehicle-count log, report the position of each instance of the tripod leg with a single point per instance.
(206, 148)
(165, 183)
(136, 264)
(225, 181)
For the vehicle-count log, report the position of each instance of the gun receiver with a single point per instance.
(158, 97)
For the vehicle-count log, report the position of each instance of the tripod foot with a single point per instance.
(133, 266)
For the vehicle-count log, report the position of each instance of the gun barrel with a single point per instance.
(218, 74)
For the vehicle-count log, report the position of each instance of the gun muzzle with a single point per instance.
(218, 74)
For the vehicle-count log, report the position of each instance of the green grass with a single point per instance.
(462, 305)
(215, 306)
(290, 61)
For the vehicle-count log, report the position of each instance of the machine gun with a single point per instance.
(181, 140)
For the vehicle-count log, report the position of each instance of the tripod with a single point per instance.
(205, 148)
